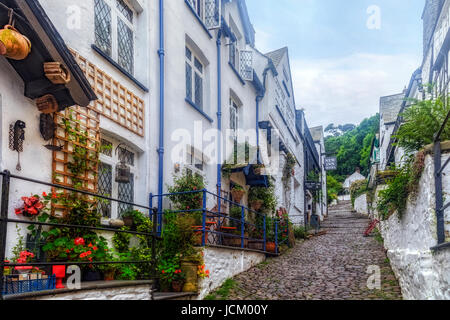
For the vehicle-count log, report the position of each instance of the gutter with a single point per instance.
(259, 97)
(219, 114)
(161, 54)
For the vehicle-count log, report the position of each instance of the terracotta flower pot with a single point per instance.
(237, 195)
(110, 276)
(257, 204)
(13, 44)
(271, 247)
(177, 286)
(128, 221)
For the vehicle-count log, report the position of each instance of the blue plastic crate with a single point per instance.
(25, 286)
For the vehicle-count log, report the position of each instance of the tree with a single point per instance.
(353, 147)
(333, 188)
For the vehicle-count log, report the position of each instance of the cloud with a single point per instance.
(348, 89)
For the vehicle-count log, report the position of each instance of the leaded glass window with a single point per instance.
(126, 46)
(116, 152)
(104, 188)
(125, 10)
(126, 156)
(114, 31)
(106, 148)
(103, 30)
(126, 193)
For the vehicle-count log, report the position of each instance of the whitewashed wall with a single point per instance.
(361, 206)
(35, 160)
(224, 264)
(422, 274)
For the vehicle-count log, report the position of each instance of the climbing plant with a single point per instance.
(401, 187)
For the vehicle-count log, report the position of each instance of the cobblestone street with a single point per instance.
(328, 267)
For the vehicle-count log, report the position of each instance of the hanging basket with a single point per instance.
(13, 44)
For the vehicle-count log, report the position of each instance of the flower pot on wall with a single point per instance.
(13, 44)
(237, 195)
(271, 247)
(256, 204)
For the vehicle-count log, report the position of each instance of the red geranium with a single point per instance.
(31, 206)
(79, 242)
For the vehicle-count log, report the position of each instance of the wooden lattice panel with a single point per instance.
(115, 101)
(86, 120)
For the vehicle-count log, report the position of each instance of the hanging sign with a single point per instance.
(331, 163)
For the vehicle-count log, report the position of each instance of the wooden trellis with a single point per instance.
(115, 101)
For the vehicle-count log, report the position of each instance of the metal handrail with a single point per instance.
(209, 214)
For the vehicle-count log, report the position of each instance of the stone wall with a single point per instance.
(361, 205)
(135, 292)
(224, 264)
(422, 274)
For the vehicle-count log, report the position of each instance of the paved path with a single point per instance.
(329, 267)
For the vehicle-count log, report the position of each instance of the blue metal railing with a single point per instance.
(247, 233)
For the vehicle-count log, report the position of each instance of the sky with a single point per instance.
(345, 54)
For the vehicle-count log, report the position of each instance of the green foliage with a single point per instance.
(300, 232)
(404, 184)
(265, 194)
(178, 236)
(421, 122)
(223, 292)
(334, 187)
(191, 200)
(288, 168)
(353, 148)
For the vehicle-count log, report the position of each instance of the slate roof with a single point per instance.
(390, 107)
(317, 133)
(277, 55)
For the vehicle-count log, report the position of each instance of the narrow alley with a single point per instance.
(328, 267)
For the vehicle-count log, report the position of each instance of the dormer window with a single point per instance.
(114, 31)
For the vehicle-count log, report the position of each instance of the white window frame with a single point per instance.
(200, 73)
(115, 15)
(113, 161)
(234, 106)
(194, 157)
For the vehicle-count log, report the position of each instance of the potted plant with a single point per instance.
(234, 231)
(132, 217)
(238, 193)
(109, 271)
(178, 281)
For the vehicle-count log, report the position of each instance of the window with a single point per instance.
(234, 55)
(234, 116)
(195, 162)
(114, 31)
(194, 79)
(208, 11)
(110, 156)
(197, 5)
